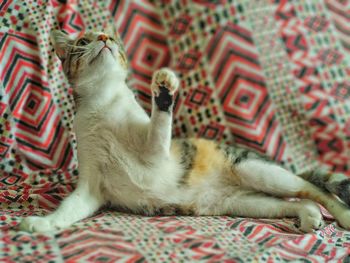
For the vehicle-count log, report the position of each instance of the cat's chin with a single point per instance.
(104, 54)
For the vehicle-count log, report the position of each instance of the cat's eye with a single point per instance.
(83, 42)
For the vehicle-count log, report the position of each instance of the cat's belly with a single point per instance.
(122, 193)
(148, 197)
(130, 177)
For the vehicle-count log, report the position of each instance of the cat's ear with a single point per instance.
(60, 41)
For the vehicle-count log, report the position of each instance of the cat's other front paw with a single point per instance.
(164, 78)
(37, 224)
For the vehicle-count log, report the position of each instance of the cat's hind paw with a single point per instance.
(310, 217)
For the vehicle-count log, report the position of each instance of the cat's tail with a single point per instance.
(335, 183)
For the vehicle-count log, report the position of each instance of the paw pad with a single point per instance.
(164, 78)
(164, 86)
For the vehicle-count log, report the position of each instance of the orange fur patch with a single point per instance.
(310, 196)
(208, 160)
(303, 194)
(175, 150)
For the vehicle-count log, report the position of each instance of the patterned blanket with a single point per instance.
(272, 74)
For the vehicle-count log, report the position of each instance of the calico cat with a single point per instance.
(128, 159)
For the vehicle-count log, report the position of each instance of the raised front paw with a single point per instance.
(164, 85)
(37, 224)
(164, 79)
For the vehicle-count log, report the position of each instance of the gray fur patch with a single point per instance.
(188, 154)
(238, 154)
(343, 191)
(337, 184)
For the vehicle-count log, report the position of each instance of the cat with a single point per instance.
(130, 161)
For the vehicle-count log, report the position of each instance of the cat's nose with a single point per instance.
(102, 37)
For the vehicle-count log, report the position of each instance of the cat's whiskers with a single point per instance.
(82, 54)
(87, 52)
(91, 54)
(77, 52)
(78, 47)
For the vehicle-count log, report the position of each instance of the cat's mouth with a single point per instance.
(103, 48)
(99, 53)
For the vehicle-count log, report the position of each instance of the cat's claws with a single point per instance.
(164, 78)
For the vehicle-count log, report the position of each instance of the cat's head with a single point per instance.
(90, 56)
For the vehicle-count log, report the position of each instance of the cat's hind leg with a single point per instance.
(274, 180)
(164, 85)
(261, 206)
(336, 183)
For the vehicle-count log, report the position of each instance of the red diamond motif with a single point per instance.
(198, 97)
(252, 94)
(180, 25)
(150, 56)
(32, 104)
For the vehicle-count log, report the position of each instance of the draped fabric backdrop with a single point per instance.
(270, 74)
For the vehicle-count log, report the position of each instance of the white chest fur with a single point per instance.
(112, 142)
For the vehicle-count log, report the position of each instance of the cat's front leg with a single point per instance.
(79, 205)
(164, 85)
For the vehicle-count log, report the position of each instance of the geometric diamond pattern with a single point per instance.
(342, 90)
(242, 91)
(3, 149)
(145, 44)
(98, 246)
(272, 75)
(180, 25)
(318, 81)
(199, 96)
(317, 23)
(39, 133)
(339, 13)
(330, 56)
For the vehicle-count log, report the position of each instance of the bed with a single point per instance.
(273, 75)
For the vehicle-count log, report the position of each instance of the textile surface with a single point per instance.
(273, 75)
